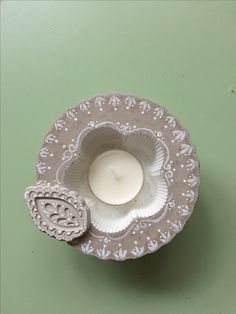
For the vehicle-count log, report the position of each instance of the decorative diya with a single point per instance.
(117, 177)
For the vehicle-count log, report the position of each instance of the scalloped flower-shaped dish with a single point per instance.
(169, 162)
(141, 143)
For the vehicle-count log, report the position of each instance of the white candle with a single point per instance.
(115, 177)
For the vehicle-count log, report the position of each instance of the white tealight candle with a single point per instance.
(115, 177)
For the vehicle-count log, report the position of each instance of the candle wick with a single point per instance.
(117, 177)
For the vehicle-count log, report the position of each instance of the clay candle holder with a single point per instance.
(117, 177)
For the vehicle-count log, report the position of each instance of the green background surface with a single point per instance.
(182, 54)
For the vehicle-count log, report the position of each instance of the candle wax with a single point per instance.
(115, 177)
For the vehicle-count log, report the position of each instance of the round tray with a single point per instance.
(126, 114)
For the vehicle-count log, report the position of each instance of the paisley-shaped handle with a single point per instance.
(59, 212)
